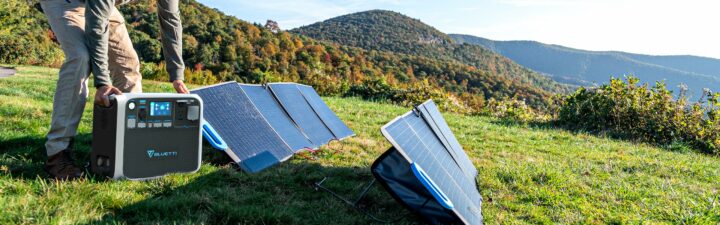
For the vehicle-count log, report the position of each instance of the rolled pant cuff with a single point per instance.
(57, 145)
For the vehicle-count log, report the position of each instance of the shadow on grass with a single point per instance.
(283, 194)
(25, 156)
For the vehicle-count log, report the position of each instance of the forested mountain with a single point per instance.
(382, 30)
(587, 67)
(394, 32)
(218, 47)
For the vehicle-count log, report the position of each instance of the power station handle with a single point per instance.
(431, 186)
(112, 99)
(213, 137)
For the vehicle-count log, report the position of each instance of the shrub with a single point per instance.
(420, 92)
(513, 111)
(376, 89)
(199, 76)
(150, 71)
(626, 109)
(25, 36)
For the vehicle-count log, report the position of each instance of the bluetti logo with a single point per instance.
(155, 154)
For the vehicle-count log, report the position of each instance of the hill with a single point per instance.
(394, 32)
(581, 67)
(217, 47)
(382, 30)
(527, 175)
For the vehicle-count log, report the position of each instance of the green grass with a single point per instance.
(527, 175)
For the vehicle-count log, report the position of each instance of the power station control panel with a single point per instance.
(162, 113)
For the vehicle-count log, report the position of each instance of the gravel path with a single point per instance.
(6, 72)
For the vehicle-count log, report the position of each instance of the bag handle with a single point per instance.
(213, 137)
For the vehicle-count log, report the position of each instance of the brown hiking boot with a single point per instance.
(61, 166)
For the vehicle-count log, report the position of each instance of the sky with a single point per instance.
(656, 27)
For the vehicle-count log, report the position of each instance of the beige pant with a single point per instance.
(67, 20)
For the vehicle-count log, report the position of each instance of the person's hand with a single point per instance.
(102, 94)
(180, 87)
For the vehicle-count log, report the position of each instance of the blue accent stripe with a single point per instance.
(430, 185)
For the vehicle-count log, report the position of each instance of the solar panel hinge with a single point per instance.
(417, 111)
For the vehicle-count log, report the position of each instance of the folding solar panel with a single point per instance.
(261, 125)
(276, 116)
(232, 118)
(301, 112)
(432, 166)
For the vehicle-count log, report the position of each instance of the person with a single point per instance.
(94, 37)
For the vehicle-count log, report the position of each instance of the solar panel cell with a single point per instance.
(301, 112)
(276, 116)
(437, 122)
(331, 120)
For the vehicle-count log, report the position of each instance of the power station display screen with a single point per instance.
(160, 108)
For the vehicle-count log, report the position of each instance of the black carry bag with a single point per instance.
(394, 173)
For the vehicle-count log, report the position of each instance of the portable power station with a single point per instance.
(147, 135)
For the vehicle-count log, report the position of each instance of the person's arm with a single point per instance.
(97, 14)
(171, 35)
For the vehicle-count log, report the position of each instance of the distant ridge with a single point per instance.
(582, 67)
(394, 32)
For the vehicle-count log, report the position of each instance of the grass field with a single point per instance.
(527, 175)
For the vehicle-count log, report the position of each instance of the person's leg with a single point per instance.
(124, 63)
(68, 22)
(67, 19)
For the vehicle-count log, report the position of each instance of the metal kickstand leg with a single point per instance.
(356, 202)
